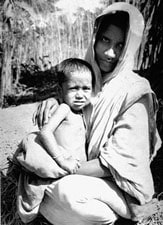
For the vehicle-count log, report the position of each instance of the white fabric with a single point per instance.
(83, 203)
(116, 138)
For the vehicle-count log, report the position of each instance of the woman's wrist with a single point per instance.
(93, 168)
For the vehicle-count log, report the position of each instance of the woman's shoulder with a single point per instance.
(133, 78)
(135, 88)
(134, 84)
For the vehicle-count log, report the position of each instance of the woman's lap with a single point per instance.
(82, 200)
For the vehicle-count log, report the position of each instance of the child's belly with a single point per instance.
(72, 139)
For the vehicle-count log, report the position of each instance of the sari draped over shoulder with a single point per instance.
(124, 163)
(118, 92)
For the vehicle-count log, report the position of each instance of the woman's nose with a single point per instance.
(110, 53)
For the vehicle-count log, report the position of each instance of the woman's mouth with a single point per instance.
(110, 61)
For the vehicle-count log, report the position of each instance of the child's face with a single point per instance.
(77, 90)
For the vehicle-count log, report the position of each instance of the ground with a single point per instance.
(15, 123)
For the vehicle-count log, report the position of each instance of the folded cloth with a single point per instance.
(29, 196)
(38, 171)
(34, 158)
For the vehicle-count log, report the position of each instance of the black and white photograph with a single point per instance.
(81, 112)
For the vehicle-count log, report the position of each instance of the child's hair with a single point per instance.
(70, 65)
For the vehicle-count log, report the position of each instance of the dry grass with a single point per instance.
(8, 197)
(9, 214)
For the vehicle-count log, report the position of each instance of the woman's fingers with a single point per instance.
(53, 108)
(38, 116)
(41, 114)
(50, 107)
(44, 111)
(35, 117)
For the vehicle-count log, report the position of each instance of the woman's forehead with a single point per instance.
(115, 33)
(120, 20)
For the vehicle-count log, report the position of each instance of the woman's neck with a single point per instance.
(106, 77)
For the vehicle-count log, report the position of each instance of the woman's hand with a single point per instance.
(44, 111)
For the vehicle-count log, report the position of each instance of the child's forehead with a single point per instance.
(75, 75)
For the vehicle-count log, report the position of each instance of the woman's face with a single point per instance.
(109, 48)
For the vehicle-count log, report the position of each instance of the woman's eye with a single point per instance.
(106, 40)
(120, 46)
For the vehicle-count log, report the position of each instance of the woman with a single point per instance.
(122, 136)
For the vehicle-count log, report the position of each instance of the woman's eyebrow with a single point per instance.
(104, 36)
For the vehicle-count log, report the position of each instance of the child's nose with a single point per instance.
(79, 94)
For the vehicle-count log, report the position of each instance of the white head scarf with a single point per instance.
(133, 40)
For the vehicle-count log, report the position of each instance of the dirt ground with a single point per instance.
(15, 123)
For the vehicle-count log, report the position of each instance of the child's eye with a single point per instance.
(87, 88)
(72, 88)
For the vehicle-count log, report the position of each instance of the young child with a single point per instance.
(64, 135)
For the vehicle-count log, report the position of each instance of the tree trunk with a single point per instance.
(6, 74)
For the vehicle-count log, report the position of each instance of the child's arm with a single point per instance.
(48, 139)
(47, 132)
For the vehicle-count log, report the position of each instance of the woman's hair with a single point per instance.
(117, 18)
(70, 65)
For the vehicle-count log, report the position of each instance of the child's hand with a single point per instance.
(69, 164)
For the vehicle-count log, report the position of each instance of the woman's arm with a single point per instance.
(127, 154)
(94, 168)
(131, 139)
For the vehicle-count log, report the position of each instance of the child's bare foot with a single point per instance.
(140, 212)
